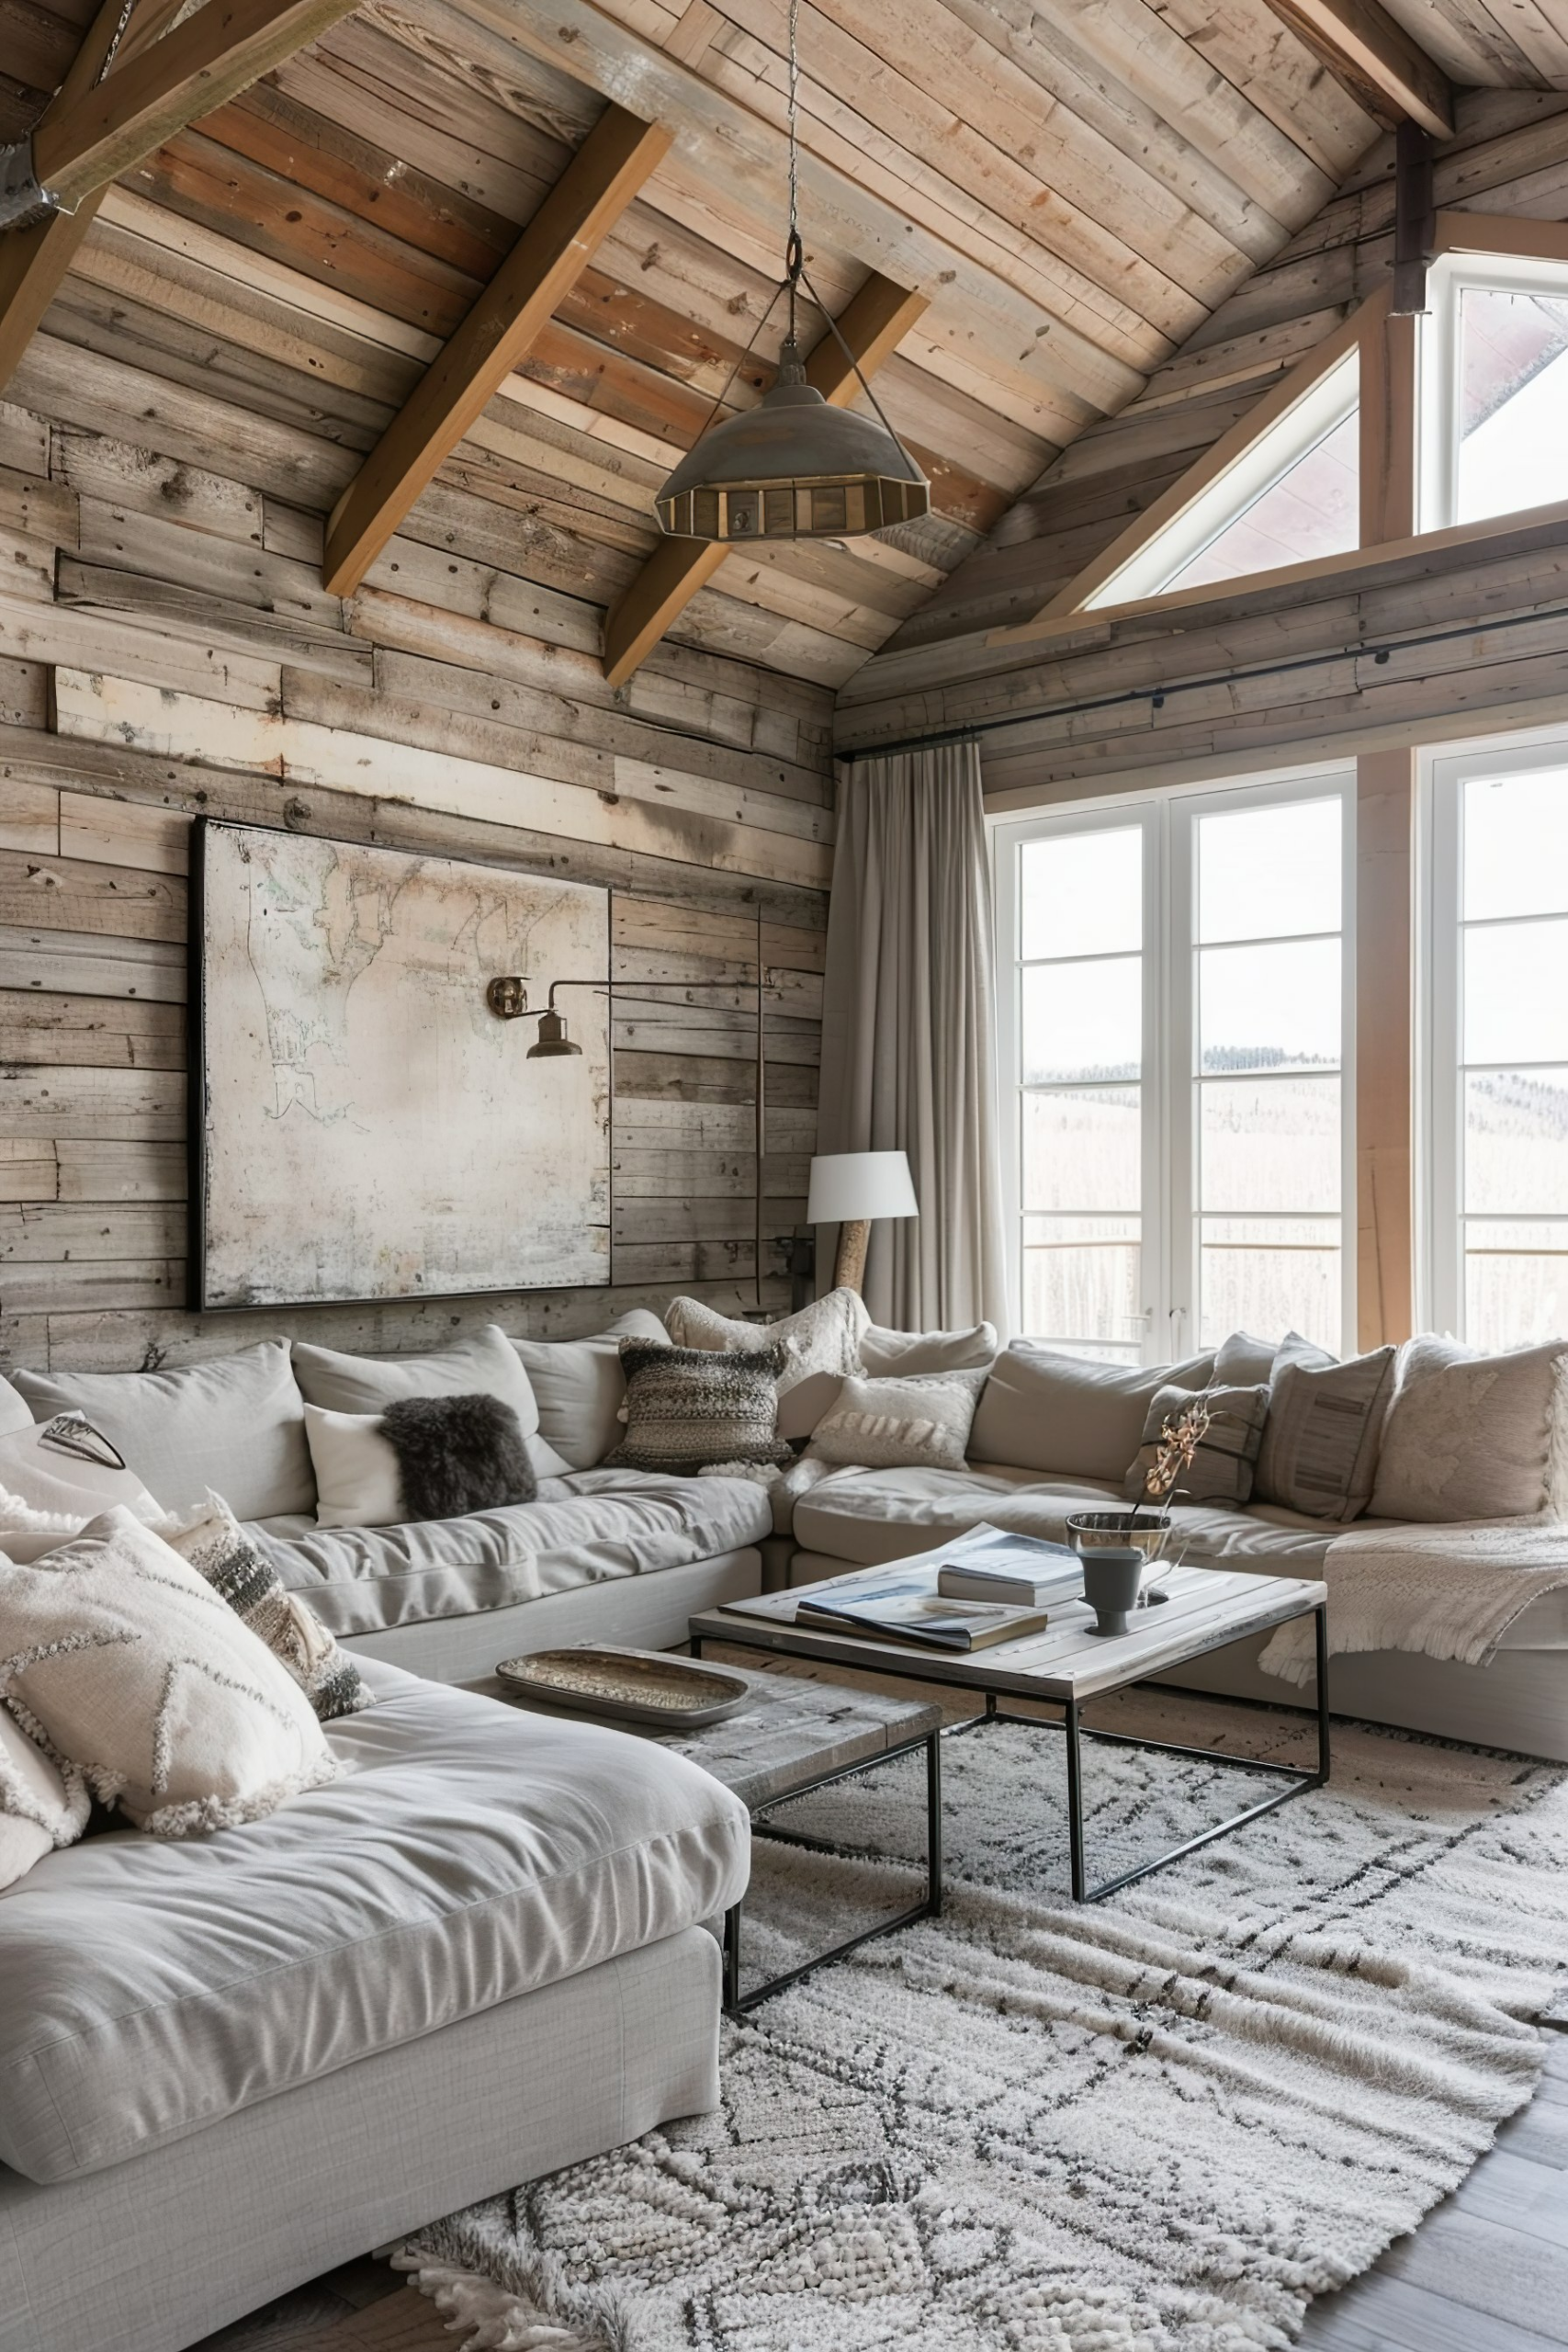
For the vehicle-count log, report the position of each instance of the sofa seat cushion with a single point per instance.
(596, 1524)
(868, 1517)
(471, 1852)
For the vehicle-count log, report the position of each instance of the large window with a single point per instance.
(1496, 1221)
(1174, 1028)
(1493, 389)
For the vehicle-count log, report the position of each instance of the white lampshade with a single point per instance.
(848, 1185)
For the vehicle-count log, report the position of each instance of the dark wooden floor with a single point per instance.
(1487, 2271)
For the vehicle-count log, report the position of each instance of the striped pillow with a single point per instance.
(690, 1408)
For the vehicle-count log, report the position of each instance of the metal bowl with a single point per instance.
(1116, 1530)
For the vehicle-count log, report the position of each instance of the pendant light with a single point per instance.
(795, 467)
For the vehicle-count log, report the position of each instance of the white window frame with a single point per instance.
(1168, 815)
(1437, 366)
(1321, 409)
(1439, 1095)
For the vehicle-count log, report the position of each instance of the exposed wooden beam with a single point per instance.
(1385, 806)
(872, 323)
(34, 261)
(1376, 58)
(111, 126)
(559, 242)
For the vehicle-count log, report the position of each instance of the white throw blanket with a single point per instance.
(1446, 1592)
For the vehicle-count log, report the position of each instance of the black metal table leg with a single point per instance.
(736, 2003)
(1075, 1799)
(1321, 1615)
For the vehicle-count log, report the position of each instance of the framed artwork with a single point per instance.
(362, 1127)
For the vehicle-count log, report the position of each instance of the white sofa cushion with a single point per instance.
(1471, 1436)
(123, 1661)
(485, 1364)
(471, 1853)
(357, 1480)
(1040, 1410)
(866, 1518)
(579, 1387)
(233, 1426)
(15, 1411)
(582, 1530)
(47, 1492)
(899, 1355)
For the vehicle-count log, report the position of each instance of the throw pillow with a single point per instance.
(918, 1423)
(486, 1364)
(233, 1426)
(41, 1805)
(458, 1455)
(219, 1550)
(54, 1477)
(357, 1480)
(1470, 1436)
(905, 1355)
(1040, 1410)
(1221, 1469)
(579, 1388)
(1243, 1362)
(688, 1408)
(120, 1659)
(822, 1346)
(1320, 1447)
(16, 1413)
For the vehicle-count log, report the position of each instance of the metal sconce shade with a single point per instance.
(552, 1040)
(793, 467)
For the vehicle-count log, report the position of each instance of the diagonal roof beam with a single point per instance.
(608, 169)
(33, 260)
(110, 127)
(872, 323)
(1376, 58)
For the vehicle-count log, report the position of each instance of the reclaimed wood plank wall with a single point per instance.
(171, 654)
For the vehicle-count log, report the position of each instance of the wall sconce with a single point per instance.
(507, 998)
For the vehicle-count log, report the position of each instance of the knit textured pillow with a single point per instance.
(119, 1658)
(216, 1546)
(690, 1408)
(822, 1348)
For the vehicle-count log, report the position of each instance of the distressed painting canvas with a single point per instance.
(366, 1128)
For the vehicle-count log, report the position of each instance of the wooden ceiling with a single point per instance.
(1073, 188)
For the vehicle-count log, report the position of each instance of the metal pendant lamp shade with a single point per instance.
(793, 467)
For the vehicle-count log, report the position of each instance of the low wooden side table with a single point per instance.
(797, 1735)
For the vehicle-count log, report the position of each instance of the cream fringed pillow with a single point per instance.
(122, 1661)
(918, 1423)
(41, 1807)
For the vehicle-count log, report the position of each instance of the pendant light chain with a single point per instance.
(794, 257)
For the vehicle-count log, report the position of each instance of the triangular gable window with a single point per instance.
(1292, 495)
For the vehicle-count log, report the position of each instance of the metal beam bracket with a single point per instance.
(23, 200)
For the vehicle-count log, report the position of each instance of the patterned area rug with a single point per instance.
(1159, 2124)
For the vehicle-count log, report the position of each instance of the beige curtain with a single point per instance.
(909, 1043)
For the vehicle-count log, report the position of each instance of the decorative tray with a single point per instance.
(628, 1686)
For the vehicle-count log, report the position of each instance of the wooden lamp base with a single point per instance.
(849, 1269)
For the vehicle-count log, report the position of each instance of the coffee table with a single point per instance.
(794, 1736)
(1067, 1665)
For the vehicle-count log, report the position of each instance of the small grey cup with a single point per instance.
(1110, 1583)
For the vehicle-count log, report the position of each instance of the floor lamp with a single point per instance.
(848, 1188)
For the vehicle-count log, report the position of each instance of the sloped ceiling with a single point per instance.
(1078, 188)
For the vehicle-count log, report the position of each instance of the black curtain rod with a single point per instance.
(1156, 696)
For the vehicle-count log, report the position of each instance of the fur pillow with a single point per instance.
(689, 1408)
(218, 1548)
(458, 1455)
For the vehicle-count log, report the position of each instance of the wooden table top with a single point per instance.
(1206, 1608)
